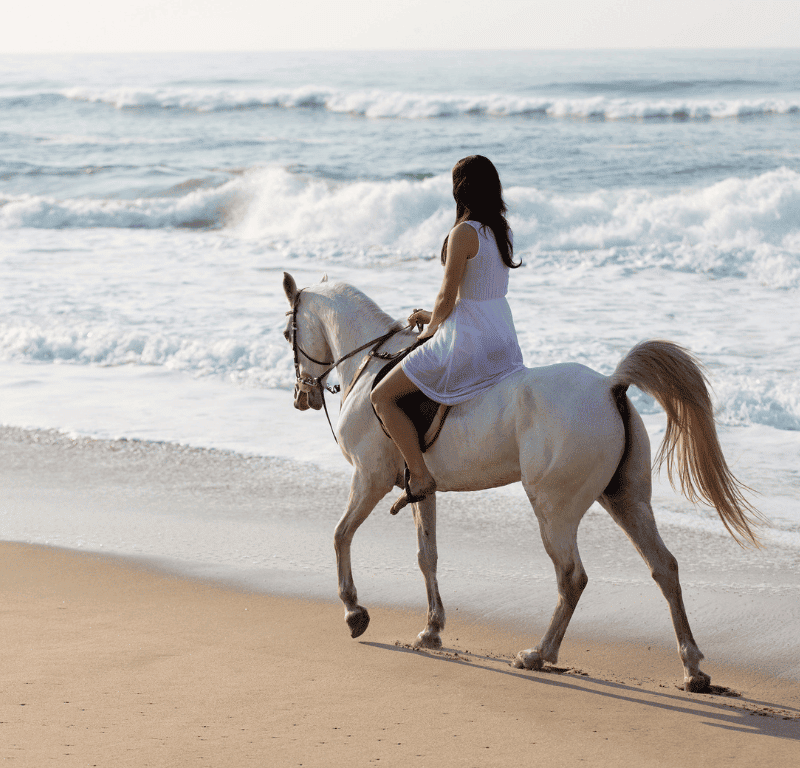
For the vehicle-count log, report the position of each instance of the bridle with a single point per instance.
(305, 383)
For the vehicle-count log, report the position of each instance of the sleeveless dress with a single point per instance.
(476, 346)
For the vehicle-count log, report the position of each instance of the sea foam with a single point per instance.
(416, 105)
(250, 361)
(735, 228)
(206, 208)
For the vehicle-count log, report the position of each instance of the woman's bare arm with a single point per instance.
(462, 244)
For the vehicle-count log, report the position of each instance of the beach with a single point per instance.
(166, 517)
(137, 660)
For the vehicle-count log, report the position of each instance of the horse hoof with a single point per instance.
(699, 683)
(427, 639)
(528, 660)
(358, 621)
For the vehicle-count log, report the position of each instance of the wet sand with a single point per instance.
(110, 663)
(130, 658)
(266, 525)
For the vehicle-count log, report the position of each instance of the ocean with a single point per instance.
(149, 205)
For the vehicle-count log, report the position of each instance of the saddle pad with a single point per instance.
(426, 415)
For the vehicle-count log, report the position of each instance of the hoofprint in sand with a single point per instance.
(108, 662)
(266, 524)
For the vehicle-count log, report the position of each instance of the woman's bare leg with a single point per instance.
(398, 425)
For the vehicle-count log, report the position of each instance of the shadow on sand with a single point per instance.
(721, 707)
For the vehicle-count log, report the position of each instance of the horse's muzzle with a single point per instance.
(307, 396)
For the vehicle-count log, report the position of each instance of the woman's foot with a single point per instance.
(415, 490)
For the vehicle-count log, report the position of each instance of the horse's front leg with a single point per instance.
(425, 520)
(365, 492)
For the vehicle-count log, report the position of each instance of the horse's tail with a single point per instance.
(690, 447)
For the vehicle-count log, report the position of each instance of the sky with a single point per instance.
(55, 26)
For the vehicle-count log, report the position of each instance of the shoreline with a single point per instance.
(266, 525)
(112, 661)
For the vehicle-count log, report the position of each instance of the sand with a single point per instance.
(106, 662)
(113, 660)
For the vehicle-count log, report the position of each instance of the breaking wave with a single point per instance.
(199, 208)
(735, 228)
(410, 105)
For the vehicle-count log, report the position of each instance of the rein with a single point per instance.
(307, 383)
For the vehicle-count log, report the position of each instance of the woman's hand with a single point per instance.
(419, 317)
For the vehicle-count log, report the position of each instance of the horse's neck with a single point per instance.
(345, 336)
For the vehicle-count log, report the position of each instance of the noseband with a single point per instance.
(310, 383)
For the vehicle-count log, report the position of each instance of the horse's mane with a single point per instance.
(348, 299)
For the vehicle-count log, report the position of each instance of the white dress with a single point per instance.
(476, 346)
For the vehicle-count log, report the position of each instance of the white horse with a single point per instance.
(568, 433)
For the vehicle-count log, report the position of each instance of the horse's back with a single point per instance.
(536, 423)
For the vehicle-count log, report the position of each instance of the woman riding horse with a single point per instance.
(470, 340)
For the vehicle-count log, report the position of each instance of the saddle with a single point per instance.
(426, 415)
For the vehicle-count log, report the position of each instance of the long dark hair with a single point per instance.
(479, 197)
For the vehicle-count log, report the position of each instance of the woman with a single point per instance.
(471, 343)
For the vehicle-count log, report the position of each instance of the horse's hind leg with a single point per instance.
(559, 531)
(365, 493)
(425, 520)
(635, 517)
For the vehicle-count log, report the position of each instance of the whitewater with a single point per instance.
(149, 206)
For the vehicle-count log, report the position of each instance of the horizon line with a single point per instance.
(557, 49)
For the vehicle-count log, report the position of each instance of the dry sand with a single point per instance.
(109, 663)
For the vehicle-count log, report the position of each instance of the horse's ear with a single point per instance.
(324, 278)
(289, 287)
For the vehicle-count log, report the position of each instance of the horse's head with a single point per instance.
(311, 351)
